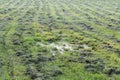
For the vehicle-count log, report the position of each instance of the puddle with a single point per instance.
(60, 47)
(85, 46)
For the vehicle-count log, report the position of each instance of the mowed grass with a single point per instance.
(59, 40)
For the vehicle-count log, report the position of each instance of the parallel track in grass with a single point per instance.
(30, 30)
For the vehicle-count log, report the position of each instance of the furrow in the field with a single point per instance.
(10, 8)
(20, 11)
(92, 4)
(58, 9)
(76, 13)
(27, 16)
(73, 24)
(21, 34)
(40, 7)
(91, 13)
(101, 13)
(61, 11)
(27, 19)
(107, 6)
(81, 18)
(43, 13)
(107, 13)
(92, 22)
(3, 5)
(91, 16)
(104, 9)
(8, 53)
(45, 6)
(37, 8)
(5, 21)
(103, 21)
(25, 31)
(8, 29)
(15, 10)
(52, 17)
(10, 58)
(2, 2)
(66, 12)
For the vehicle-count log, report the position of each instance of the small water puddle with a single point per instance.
(61, 47)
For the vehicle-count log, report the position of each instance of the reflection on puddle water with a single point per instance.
(61, 47)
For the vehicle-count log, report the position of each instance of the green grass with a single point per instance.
(36, 37)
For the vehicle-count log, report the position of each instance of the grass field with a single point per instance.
(59, 39)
